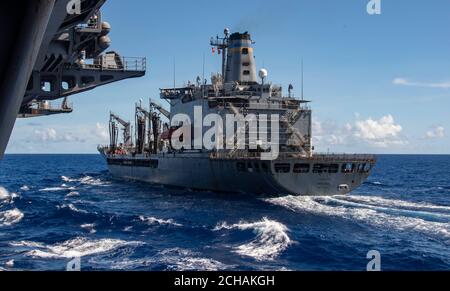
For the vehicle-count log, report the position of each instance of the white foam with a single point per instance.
(73, 194)
(89, 227)
(179, 259)
(91, 181)
(10, 217)
(78, 247)
(176, 259)
(10, 264)
(320, 206)
(25, 188)
(73, 208)
(87, 180)
(27, 244)
(198, 264)
(4, 194)
(67, 179)
(159, 221)
(58, 189)
(128, 229)
(379, 201)
(271, 240)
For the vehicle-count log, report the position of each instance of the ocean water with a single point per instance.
(56, 208)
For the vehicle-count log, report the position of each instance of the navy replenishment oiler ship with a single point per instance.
(242, 167)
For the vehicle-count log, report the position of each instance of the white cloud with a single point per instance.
(50, 135)
(80, 134)
(45, 135)
(377, 129)
(57, 138)
(436, 132)
(328, 133)
(101, 132)
(380, 133)
(406, 82)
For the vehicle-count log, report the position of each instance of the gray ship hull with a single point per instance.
(200, 172)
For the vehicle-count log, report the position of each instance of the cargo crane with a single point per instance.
(160, 109)
(127, 142)
(143, 128)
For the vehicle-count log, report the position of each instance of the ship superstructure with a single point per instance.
(243, 162)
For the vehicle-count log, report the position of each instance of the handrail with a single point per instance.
(316, 157)
(126, 64)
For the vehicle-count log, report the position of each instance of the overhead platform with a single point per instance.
(48, 54)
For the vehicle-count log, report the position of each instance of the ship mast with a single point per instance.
(221, 43)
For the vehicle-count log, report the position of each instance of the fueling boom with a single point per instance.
(126, 128)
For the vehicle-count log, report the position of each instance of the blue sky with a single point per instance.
(379, 83)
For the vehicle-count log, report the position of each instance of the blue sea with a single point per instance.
(54, 208)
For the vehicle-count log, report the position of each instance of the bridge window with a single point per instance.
(282, 168)
(246, 72)
(246, 64)
(245, 51)
(302, 168)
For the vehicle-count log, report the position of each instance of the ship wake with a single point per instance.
(430, 220)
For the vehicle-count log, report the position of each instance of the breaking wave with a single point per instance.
(87, 180)
(89, 227)
(376, 183)
(25, 188)
(10, 217)
(271, 239)
(78, 247)
(158, 221)
(375, 211)
(72, 208)
(73, 194)
(58, 189)
(6, 196)
(175, 259)
(184, 260)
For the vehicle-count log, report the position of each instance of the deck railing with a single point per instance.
(231, 155)
(116, 63)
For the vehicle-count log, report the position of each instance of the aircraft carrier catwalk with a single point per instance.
(52, 49)
(245, 161)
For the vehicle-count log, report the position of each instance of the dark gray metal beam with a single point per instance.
(22, 55)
